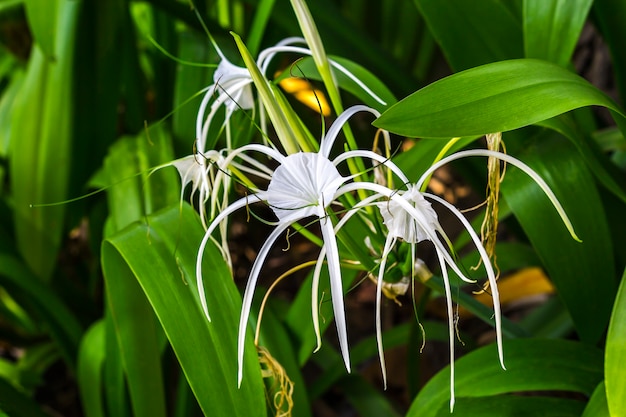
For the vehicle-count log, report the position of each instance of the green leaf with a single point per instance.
(16, 404)
(41, 151)
(552, 28)
(597, 405)
(473, 33)
(160, 254)
(615, 356)
(492, 98)
(514, 406)
(42, 20)
(532, 365)
(609, 17)
(28, 290)
(91, 356)
(276, 340)
(574, 267)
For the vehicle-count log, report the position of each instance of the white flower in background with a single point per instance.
(303, 185)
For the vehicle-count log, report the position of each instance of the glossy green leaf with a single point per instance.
(552, 28)
(40, 151)
(43, 23)
(492, 98)
(160, 255)
(574, 267)
(473, 33)
(91, 356)
(597, 405)
(130, 198)
(615, 356)
(532, 365)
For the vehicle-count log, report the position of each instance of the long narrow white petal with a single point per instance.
(495, 294)
(315, 285)
(207, 236)
(446, 284)
(328, 140)
(336, 288)
(374, 156)
(249, 294)
(515, 162)
(389, 242)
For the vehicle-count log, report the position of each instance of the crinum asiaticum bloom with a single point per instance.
(304, 185)
(232, 89)
(410, 217)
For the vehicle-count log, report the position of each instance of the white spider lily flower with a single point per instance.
(303, 185)
(409, 216)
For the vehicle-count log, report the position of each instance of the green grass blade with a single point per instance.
(597, 405)
(42, 21)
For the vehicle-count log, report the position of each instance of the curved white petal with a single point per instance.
(242, 202)
(513, 161)
(249, 294)
(328, 140)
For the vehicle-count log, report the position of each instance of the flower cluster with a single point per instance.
(320, 185)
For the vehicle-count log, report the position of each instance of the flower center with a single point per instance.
(302, 184)
(402, 225)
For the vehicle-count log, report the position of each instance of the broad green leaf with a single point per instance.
(40, 152)
(137, 332)
(574, 267)
(615, 356)
(472, 33)
(493, 98)
(531, 365)
(597, 161)
(91, 356)
(42, 20)
(552, 28)
(597, 405)
(160, 254)
(137, 338)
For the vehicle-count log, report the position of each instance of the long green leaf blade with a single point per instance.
(160, 255)
(552, 28)
(492, 98)
(614, 370)
(532, 365)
